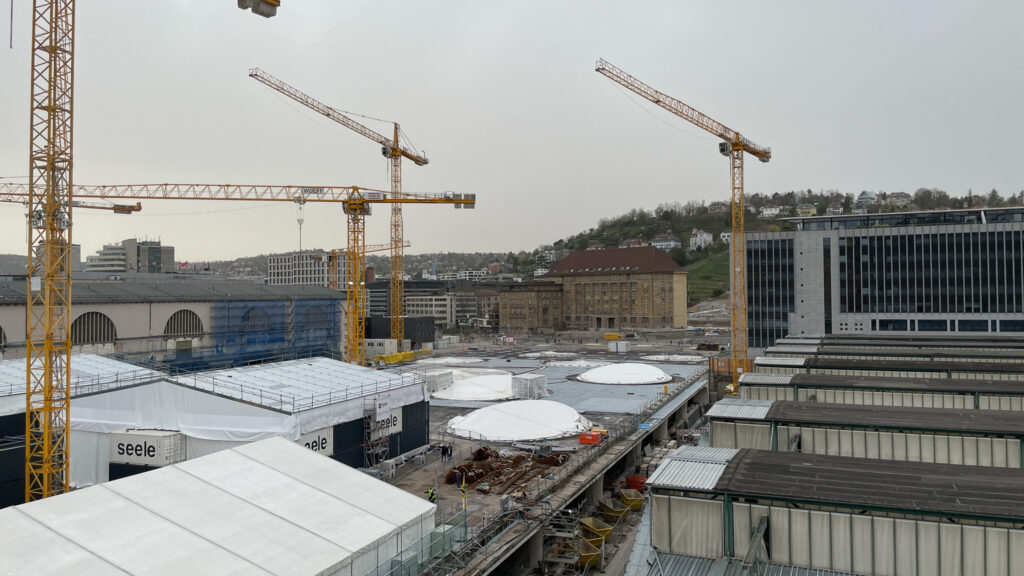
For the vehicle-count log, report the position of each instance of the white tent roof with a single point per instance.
(271, 507)
(478, 384)
(89, 373)
(298, 385)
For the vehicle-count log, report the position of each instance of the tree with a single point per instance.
(995, 200)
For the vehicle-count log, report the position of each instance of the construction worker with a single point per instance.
(432, 495)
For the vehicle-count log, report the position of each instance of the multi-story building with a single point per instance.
(899, 199)
(530, 306)
(379, 299)
(618, 288)
(805, 210)
(440, 307)
(699, 239)
(132, 255)
(307, 269)
(666, 242)
(770, 211)
(904, 273)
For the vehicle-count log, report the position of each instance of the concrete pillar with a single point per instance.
(535, 550)
(661, 432)
(595, 491)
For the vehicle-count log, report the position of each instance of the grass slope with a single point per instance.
(708, 278)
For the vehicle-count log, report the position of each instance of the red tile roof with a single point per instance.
(615, 261)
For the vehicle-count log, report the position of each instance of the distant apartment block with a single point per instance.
(700, 239)
(132, 255)
(440, 307)
(314, 268)
(952, 271)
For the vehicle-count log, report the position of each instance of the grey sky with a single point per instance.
(504, 99)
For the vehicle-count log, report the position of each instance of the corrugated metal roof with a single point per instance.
(764, 361)
(638, 565)
(791, 349)
(677, 565)
(692, 468)
(757, 378)
(739, 408)
(685, 475)
(703, 454)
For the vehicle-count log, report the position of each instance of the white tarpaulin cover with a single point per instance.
(221, 409)
(520, 420)
(89, 373)
(478, 384)
(451, 360)
(628, 373)
(272, 507)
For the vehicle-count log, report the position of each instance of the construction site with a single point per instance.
(850, 406)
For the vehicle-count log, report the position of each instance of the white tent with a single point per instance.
(220, 409)
(520, 420)
(271, 507)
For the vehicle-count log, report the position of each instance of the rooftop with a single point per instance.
(910, 342)
(184, 519)
(995, 422)
(860, 350)
(932, 218)
(889, 485)
(955, 385)
(614, 261)
(117, 291)
(940, 366)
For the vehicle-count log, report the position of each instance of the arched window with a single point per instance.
(184, 324)
(255, 320)
(316, 318)
(93, 328)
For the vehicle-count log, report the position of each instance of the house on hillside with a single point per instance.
(805, 210)
(700, 239)
(865, 200)
(718, 207)
(633, 243)
(666, 242)
(899, 199)
(834, 210)
(770, 211)
(726, 237)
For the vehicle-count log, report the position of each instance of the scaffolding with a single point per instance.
(376, 442)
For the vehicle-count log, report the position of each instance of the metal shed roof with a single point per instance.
(740, 408)
(271, 507)
(691, 468)
(948, 385)
(899, 486)
(994, 422)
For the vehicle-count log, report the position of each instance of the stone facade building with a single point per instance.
(619, 288)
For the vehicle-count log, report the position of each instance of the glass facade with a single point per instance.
(946, 273)
(770, 293)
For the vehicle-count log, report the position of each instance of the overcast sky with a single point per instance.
(504, 99)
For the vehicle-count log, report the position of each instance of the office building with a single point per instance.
(942, 272)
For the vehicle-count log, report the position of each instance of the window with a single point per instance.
(93, 328)
(1004, 326)
(932, 325)
(885, 325)
(184, 324)
(972, 325)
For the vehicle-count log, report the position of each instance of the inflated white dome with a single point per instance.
(520, 420)
(625, 374)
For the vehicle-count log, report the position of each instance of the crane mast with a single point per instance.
(48, 304)
(733, 146)
(393, 150)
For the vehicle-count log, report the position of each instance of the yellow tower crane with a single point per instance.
(733, 147)
(48, 270)
(355, 201)
(392, 149)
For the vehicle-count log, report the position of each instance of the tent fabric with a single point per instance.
(270, 507)
(89, 373)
